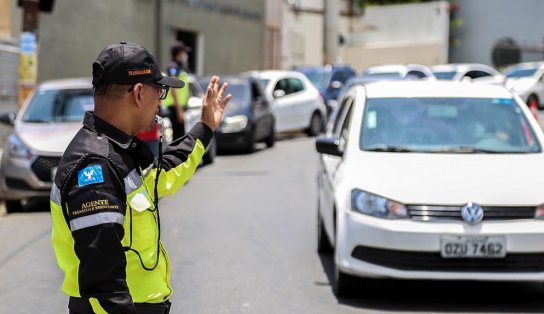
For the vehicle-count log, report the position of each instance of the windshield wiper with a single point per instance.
(473, 150)
(390, 148)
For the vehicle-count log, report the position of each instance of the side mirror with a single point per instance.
(336, 85)
(194, 103)
(8, 118)
(279, 93)
(328, 146)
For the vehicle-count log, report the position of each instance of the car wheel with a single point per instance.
(271, 139)
(532, 102)
(13, 206)
(209, 156)
(323, 244)
(316, 125)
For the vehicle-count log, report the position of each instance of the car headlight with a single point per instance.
(377, 206)
(16, 147)
(234, 124)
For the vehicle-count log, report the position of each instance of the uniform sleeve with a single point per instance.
(180, 159)
(96, 204)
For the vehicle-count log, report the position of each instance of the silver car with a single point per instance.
(43, 128)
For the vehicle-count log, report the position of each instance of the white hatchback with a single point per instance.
(298, 105)
(432, 180)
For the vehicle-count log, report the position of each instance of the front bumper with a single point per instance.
(234, 140)
(22, 178)
(406, 249)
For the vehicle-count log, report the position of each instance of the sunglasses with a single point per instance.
(163, 89)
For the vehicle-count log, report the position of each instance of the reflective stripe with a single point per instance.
(132, 181)
(95, 220)
(55, 194)
(97, 308)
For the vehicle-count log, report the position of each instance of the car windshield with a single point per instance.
(519, 73)
(383, 76)
(59, 106)
(446, 125)
(445, 75)
(241, 95)
(319, 77)
(264, 82)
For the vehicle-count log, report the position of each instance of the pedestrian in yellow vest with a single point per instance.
(176, 102)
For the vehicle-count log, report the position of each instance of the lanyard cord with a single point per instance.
(157, 216)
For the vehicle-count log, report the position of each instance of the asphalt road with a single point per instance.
(241, 238)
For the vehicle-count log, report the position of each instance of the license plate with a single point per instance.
(470, 247)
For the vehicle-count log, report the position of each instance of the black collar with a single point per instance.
(103, 128)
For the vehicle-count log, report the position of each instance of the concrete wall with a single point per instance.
(72, 36)
(486, 21)
(415, 33)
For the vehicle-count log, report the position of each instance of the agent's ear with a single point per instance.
(137, 94)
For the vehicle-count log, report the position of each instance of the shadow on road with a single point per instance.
(441, 296)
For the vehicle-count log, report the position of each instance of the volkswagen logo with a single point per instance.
(472, 213)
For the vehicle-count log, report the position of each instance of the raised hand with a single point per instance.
(214, 103)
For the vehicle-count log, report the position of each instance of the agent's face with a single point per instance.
(153, 95)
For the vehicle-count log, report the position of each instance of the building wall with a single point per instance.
(486, 21)
(5, 19)
(231, 35)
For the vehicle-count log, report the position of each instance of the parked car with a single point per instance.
(328, 80)
(398, 72)
(463, 71)
(527, 80)
(298, 105)
(193, 114)
(248, 118)
(42, 129)
(432, 180)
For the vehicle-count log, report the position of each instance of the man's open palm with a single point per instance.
(214, 103)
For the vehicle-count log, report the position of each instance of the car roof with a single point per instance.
(401, 68)
(460, 66)
(70, 83)
(273, 74)
(526, 65)
(429, 89)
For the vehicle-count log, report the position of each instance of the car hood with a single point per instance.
(520, 84)
(48, 138)
(454, 179)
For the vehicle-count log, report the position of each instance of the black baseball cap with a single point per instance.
(127, 64)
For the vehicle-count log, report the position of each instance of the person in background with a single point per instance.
(176, 102)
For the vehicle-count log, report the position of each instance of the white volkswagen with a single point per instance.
(298, 105)
(432, 180)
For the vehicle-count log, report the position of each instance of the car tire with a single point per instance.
(323, 243)
(316, 125)
(209, 156)
(271, 139)
(532, 101)
(13, 206)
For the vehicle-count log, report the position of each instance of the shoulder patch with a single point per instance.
(172, 71)
(90, 175)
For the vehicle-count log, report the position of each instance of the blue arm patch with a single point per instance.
(90, 175)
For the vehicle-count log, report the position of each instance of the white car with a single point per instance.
(463, 71)
(298, 105)
(398, 72)
(527, 80)
(432, 180)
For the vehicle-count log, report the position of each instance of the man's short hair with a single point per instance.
(115, 91)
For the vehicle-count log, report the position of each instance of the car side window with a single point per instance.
(344, 131)
(295, 86)
(477, 74)
(256, 91)
(417, 74)
(193, 90)
(283, 85)
(338, 122)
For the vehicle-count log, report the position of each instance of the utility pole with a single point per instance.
(330, 38)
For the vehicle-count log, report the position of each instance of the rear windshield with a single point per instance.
(59, 106)
(445, 75)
